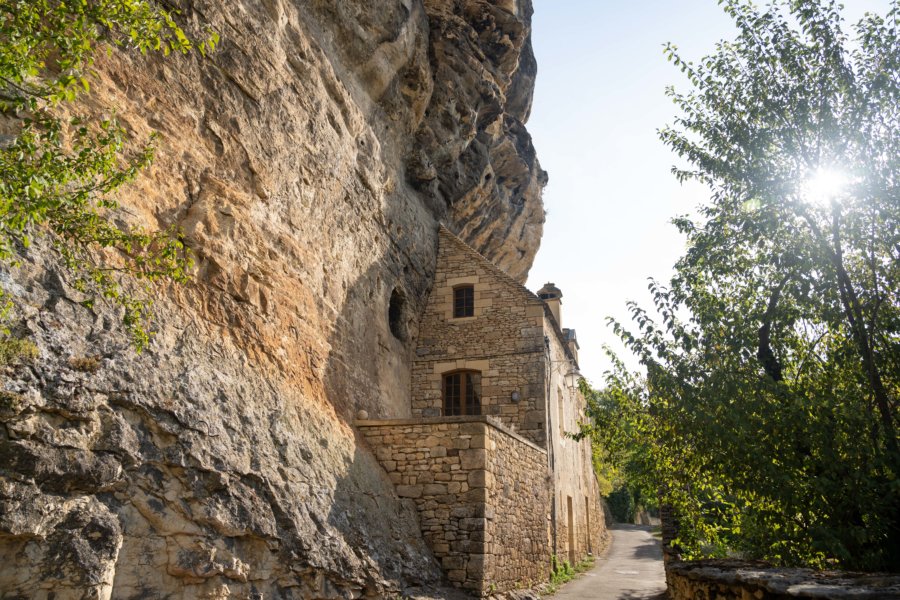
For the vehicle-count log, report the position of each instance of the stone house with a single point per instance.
(483, 452)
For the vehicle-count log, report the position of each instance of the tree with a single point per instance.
(620, 455)
(773, 363)
(58, 177)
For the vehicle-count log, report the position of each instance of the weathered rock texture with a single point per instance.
(308, 162)
(738, 580)
(472, 149)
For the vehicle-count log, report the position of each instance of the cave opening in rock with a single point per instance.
(396, 314)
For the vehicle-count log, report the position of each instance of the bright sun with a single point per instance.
(824, 185)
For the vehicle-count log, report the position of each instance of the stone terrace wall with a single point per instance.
(504, 341)
(516, 540)
(480, 492)
(737, 580)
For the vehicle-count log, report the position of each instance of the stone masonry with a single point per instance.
(516, 546)
(481, 492)
(500, 491)
(504, 341)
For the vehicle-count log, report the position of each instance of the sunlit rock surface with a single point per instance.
(308, 162)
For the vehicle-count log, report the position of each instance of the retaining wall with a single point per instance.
(739, 580)
(482, 495)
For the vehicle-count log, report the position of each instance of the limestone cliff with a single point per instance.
(308, 162)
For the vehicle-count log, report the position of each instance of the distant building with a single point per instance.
(498, 486)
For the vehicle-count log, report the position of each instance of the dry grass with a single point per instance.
(85, 364)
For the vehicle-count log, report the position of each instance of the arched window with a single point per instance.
(462, 393)
(463, 301)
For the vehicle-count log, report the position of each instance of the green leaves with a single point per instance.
(769, 410)
(58, 178)
(47, 45)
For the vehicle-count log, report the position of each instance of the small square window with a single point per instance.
(464, 301)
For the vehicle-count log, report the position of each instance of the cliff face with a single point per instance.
(308, 161)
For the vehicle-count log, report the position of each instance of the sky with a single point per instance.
(599, 100)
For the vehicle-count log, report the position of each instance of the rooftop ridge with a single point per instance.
(561, 338)
(456, 239)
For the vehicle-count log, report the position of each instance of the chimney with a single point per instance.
(572, 342)
(552, 296)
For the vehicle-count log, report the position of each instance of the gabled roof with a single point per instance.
(448, 235)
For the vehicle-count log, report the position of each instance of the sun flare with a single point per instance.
(824, 185)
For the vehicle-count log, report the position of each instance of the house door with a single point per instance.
(571, 531)
(587, 516)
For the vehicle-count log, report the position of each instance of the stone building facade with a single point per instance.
(480, 491)
(499, 486)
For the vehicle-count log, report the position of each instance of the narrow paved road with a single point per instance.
(632, 569)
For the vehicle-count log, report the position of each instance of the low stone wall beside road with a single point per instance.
(739, 580)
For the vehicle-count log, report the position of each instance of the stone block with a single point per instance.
(478, 479)
(472, 459)
(533, 417)
(456, 575)
(472, 428)
(471, 524)
(439, 452)
(467, 547)
(475, 495)
(434, 489)
(475, 565)
(461, 512)
(409, 491)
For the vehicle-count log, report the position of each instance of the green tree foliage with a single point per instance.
(58, 177)
(621, 455)
(622, 505)
(769, 406)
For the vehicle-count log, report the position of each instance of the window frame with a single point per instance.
(465, 410)
(468, 303)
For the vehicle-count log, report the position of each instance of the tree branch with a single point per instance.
(764, 353)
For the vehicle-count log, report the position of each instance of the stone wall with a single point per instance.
(516, 540)
(480, 492)
(504, 341)
(739, 580)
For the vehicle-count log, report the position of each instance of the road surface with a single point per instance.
(631, 569)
